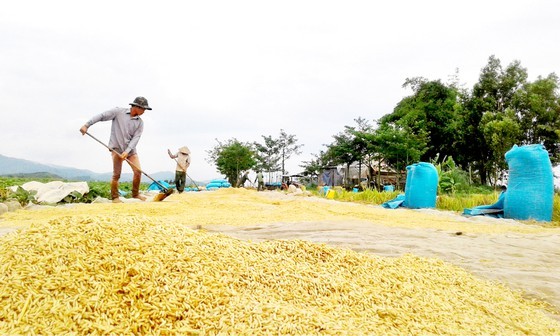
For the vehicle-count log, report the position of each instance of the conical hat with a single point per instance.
(184, 150)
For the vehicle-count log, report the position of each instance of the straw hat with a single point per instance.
(184, 150)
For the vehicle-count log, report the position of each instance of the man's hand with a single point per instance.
(124, 155)
(84, 129)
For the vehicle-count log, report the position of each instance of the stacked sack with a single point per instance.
(217, 184)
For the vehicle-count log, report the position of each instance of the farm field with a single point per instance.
(241, 261)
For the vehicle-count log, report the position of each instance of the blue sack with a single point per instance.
(530, 193)
(421, 186)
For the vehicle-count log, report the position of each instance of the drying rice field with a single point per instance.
(234, 261)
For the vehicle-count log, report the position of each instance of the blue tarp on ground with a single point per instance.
(155, 186)
(394, 203)
(492, 210)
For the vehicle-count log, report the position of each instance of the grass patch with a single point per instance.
(449, 202)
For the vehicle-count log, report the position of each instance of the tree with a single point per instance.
(351, 145)
(494, 93)
(273, 154)
(232, 158)
(501, 131)
(430, 111)
(315, 166)
(398, 146)
(267, 155)
(537, 106)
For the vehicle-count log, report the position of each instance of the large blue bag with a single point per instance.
(421, 186)
(530, 192)
(409, 170)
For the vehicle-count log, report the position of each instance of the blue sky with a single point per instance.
(240, 69)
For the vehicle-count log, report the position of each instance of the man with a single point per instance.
(244, 178)
(260, 179)
(183, 160)
(126, 130)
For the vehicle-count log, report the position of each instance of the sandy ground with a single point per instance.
(524, 257)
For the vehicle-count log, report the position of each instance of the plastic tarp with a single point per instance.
(330, 177)
(155, 186)
(394, 203)
(492, 210)
(55, 191)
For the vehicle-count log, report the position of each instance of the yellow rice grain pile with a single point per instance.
(240, 207)
(135, 275)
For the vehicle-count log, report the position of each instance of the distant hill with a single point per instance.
(38, 175)
(25, 168)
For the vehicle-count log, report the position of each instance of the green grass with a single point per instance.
(366, 196)
(456, 202)
(459, 202)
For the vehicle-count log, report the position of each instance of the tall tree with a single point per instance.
(232, 158)
(342, 150)
(501, 131)
(493, 93)
(361, 140)
(274, 153)
(315, 166)
(268, 154)
(538, 107)
(398, 147)
(430, 111)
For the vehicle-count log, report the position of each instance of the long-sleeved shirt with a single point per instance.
(125, 130)
(183, 159)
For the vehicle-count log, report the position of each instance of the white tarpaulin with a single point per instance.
(55, 191)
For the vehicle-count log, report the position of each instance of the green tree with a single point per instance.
(273, 154)
(431, 112)
(267, 154)
(493, 93)
(232, 158)
(398, 147)
(537, 105)
(315, 166)
(350, 145)
(501, 131)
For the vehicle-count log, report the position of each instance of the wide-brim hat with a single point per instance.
(141, 102)
(184, 150)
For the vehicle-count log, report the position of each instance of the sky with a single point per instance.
(218, 70)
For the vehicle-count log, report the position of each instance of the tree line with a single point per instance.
(440, 122)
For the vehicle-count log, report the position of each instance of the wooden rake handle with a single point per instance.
(130, 162)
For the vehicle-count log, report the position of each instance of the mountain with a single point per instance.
(25, 168)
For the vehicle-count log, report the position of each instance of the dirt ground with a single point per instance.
(524, 256)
